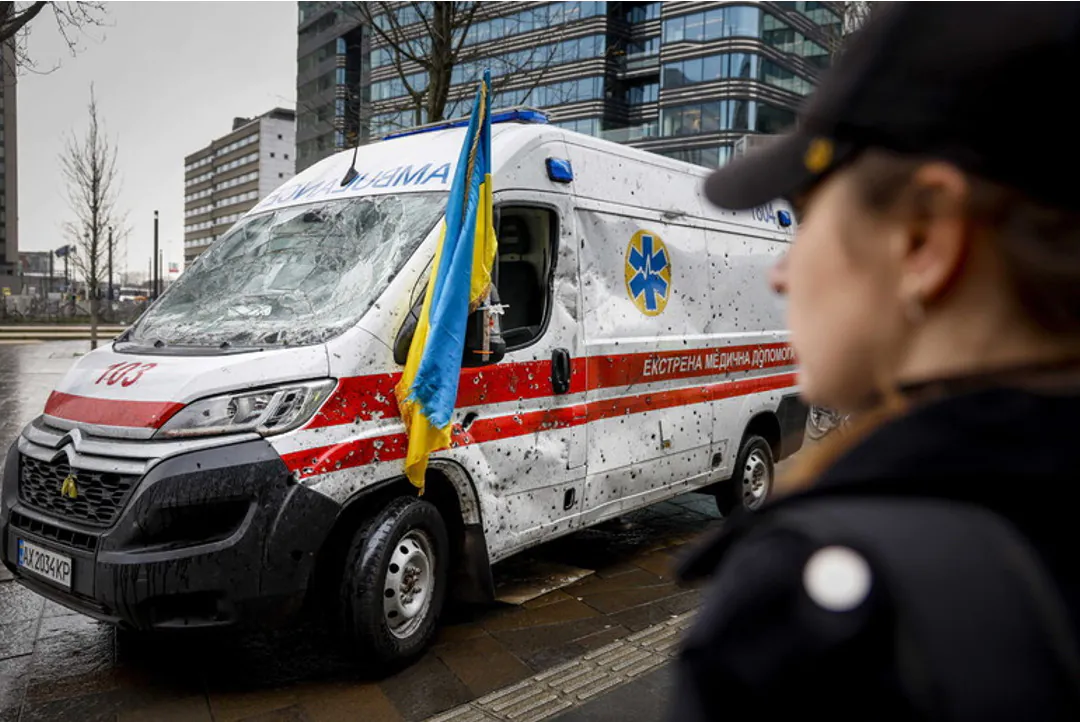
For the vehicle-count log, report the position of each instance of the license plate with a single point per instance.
(54, 567)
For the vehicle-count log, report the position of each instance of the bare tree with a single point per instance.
(72, 20)
(855, 14)
(434, 44)
(89, 168)
(852, 17)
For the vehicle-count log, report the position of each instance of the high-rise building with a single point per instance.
(331, 80)
(9, 198)
(686, 79)
(224, 180)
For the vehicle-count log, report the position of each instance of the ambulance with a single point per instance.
(236, 456)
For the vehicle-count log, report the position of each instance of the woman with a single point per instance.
(934, 288)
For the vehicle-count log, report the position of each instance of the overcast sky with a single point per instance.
(169, 78)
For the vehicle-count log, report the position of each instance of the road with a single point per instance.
(58, 665)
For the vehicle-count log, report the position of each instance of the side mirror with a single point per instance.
(406, 332)
(474, 354)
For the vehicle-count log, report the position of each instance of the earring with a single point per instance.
(915, 311)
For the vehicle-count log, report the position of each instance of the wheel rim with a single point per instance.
(823, 421)
(410, 584)
(756, 480)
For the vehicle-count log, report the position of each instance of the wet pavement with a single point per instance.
(57, 665)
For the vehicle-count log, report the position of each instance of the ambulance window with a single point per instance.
(526, 258)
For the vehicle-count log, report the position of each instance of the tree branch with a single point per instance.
(464, 27)
(12, 20)
(398, 43)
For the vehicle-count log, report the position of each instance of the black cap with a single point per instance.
(975, 84)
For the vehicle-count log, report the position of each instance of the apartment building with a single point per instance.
(227, 178)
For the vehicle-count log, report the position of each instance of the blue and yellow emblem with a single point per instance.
(648, 273)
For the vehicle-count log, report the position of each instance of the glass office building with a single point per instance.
(684, 79)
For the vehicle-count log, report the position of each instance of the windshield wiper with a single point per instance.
(158, 346)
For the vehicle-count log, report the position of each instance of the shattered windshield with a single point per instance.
(291, 277)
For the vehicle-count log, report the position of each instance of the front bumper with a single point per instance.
(215, 537)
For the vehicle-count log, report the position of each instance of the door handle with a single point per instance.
(560, 371)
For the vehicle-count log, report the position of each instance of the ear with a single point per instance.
(938, 237)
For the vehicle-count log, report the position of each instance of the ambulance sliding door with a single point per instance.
(645, 298)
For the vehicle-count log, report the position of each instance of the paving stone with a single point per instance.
(566, 610)
(483, 664)
(425, 689)
(347, 702)
(19, 604)
(186, 709)
(17, 638)
(79, 669)
(14, 674)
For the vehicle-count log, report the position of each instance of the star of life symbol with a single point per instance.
(648, 273)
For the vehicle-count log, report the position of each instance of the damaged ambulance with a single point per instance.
(236, 456)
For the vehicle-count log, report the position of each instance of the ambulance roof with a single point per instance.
(426, 161)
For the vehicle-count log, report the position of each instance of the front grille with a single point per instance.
(99, 496)
(77, 539)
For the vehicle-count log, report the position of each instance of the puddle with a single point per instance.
(522, 580)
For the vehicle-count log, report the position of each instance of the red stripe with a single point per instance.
(363, 398)
(392, 447)
(110, 412)
(629, 369)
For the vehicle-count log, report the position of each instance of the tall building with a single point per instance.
(225, 180)
(686, 79)
(9, 198)
(331, 80)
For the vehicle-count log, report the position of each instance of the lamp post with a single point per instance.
(110, 267)
(157, 271)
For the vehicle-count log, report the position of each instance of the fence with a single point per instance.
(37, 310)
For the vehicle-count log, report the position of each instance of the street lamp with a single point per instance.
(110, 267)
(157, 269)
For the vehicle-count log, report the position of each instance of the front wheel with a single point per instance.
(752, 482)
(394, 583)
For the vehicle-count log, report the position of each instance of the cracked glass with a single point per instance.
(291, 277)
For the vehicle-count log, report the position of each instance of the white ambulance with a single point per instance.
(237, 453)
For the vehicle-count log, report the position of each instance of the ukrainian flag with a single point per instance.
(460, 282)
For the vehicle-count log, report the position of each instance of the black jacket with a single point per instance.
(762, 649)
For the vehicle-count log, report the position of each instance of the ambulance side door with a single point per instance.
(526, 412)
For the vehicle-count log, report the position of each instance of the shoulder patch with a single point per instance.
(837, 578)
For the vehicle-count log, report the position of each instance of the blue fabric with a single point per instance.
(436, 384)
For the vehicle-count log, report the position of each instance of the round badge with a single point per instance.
(648, 273)
(837, 578)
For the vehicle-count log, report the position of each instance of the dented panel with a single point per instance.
(657, 300)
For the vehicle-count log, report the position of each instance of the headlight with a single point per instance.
(269, 411)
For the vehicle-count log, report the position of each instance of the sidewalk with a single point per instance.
(643, 700)
(627, 680)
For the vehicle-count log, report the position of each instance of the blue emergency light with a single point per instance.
(784, 219)
(560, 170)
(508, 115)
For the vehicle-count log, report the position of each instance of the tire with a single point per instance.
(394, 583)
(751, 484)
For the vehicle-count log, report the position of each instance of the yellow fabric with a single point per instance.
(424, 437)
(484, 247)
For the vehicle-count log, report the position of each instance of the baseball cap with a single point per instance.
(977, 84)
